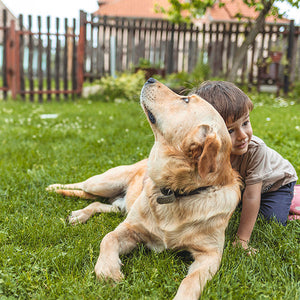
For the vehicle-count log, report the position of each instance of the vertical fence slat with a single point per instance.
(65, 59)
(196, 53)
(203, 40)
(289, 67)
(155, 43)
(190, 49)
(21, 57)
(57, 60)
(228, 48)
(244, 64)
(4, 58)
(30, 59)
(140, 43)
(222, 45)
(91, 52)
(81, 52)
(170, 49)
(74, 60)
(103, 42)
(176, 49)
(13, 60)
(129, 43)
(48, 67)
(184, 46)
(40, 57)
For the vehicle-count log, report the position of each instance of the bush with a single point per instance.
(124, 87)
(127, 86)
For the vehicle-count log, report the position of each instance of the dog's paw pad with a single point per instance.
(78, 217)
(109, 274)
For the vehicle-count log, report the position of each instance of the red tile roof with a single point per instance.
(145, 9)
(131, 8)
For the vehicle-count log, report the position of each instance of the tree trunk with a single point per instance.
(241, 52)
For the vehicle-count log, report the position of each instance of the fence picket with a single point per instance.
(21, 58)
(40, 53)
(30, 60)
(48, 67)
(65, 59)
(75, 87)
(4, 88)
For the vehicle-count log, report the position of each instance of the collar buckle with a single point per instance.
(167, 196)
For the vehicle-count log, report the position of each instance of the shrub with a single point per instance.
(124, 87)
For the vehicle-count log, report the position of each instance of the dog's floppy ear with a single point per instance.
(202, 146)
(194, 141)
(208, 160)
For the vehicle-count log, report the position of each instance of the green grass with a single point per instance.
(44, 258)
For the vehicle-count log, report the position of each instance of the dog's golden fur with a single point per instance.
(191, 150)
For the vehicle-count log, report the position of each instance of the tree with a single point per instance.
(184, 11)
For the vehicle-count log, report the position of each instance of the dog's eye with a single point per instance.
(186, 100)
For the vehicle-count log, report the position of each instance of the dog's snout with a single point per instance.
(151, 80)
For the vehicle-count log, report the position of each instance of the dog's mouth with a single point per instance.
(150, 115)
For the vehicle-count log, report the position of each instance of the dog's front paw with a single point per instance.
(78, 216)
(106, 271)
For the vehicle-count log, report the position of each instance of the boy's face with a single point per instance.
(240, 132)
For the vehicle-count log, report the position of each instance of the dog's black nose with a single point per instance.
(151, 80)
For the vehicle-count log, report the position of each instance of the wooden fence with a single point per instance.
(49, 65)
(178, 48)
(40, 63)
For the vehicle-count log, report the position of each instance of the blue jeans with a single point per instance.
(277, 204)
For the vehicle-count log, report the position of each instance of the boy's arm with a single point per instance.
(250, 208)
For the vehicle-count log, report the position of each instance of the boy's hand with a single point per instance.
(245, 246)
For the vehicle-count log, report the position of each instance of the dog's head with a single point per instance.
(192, 145)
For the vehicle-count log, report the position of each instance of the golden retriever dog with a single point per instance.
(181, 197)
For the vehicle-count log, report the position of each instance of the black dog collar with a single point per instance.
(169, 196)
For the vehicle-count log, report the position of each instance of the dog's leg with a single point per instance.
(108, 184)
(201, 270)
(82, 215)
(62, 190)
(71, 190)
(120, 241)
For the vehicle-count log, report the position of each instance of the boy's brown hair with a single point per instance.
(231, 102)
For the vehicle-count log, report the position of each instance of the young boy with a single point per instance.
(269, 179)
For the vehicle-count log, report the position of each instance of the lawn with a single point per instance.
(44, 258)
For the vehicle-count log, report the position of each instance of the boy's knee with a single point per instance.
(272, 217)
(280, 215)
(276, 205)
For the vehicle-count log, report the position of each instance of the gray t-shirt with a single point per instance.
(261, 163)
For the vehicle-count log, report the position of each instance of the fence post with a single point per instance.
(13, 62)
(170, 51)
(81, 52)
(4, 58)
(289, 55)
(113, 54)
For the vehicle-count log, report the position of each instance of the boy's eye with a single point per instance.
(230, 131)
(246, 123)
